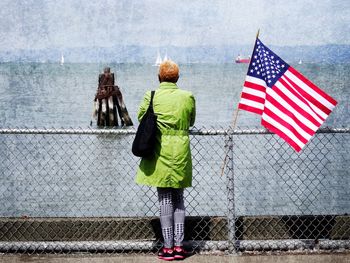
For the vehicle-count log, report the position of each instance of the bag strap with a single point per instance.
(151, 101)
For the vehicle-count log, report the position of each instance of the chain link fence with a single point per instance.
(67, 190)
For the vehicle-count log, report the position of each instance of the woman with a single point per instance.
(170, 169)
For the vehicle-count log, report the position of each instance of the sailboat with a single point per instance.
(62, 60)
(166, 56)
(158, 60)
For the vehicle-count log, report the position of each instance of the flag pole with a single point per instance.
(235, 113)
(235, 117)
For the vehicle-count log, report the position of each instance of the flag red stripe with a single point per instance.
(252, 97)
(254, 86)
(293, 104)
(310, 98)
(275, 130)
(313, 86)
(289, 114)
(250, 108)
(278, 119)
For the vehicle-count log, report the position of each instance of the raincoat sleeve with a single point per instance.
(193, 110)
(144, 105)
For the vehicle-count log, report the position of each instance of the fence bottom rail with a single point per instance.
(149, 246)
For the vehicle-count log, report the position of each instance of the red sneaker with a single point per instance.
(179, 253)
(166, 254)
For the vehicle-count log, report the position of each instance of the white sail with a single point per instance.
(166, 56)
(62, 60)
(158, 60)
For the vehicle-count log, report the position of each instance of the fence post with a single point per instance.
(231, 220)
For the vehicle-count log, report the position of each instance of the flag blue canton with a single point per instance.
(266, 65)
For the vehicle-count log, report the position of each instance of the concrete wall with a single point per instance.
(197, 228)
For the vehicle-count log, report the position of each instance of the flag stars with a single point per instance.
(266, 65)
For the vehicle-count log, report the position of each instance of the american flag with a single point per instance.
(289, 104)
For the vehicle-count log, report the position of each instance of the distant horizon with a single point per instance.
(194, 54)
(172, 46)
(152, 64)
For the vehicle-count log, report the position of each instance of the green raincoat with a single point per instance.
(171, 165)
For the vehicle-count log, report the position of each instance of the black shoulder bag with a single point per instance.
(145, 139)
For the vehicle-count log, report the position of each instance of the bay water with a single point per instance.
(51, 95)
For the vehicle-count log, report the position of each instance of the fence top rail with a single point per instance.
(130, 131)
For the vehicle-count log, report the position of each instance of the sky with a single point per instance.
(40, 24)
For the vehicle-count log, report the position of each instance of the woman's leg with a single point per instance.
(179, 216)
(166, 215)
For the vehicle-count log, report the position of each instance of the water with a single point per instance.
(50, 95)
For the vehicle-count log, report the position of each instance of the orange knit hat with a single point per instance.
(168, 70)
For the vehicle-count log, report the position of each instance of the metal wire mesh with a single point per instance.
(73, 190)
(283, 195)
